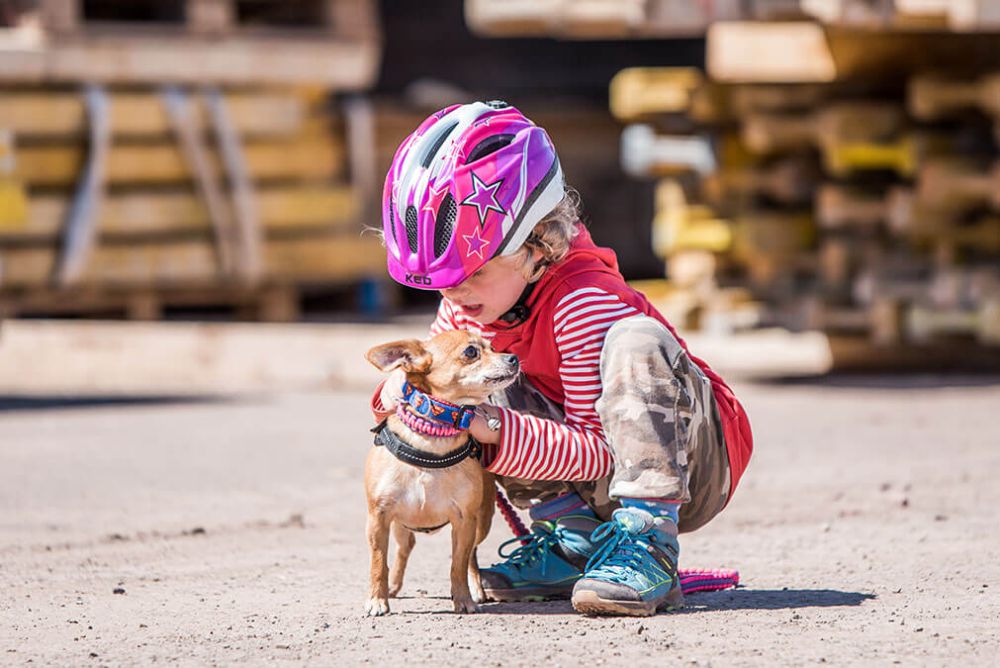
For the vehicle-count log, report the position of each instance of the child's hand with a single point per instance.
(392, 389)
(480, 427)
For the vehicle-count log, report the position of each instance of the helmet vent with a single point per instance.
(444, 226)
(487, 146)
(391, 216)
(436, 146)
(411, 227)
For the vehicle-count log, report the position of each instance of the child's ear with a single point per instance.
(409, 354)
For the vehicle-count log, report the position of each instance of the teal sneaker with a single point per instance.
(635, 570)
(547, 567)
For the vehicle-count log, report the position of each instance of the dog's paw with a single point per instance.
(478, 595)
(394, 591)
(376, 607)
(465, 606)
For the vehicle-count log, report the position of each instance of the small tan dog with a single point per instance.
(456, 369)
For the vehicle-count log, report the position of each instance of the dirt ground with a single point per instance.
(230, 530)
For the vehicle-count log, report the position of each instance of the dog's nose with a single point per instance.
(511, 361)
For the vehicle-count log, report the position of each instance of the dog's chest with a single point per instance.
(430, 498)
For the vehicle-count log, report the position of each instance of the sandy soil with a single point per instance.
(866, 532)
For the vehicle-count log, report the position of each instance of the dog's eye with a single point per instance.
(471, 354)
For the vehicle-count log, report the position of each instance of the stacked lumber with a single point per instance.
(618, 19)
(139, 194)
(331, 43)
(839, 205)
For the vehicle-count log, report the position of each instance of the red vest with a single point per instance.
(533, 341)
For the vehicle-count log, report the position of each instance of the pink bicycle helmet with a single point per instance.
(468, 185)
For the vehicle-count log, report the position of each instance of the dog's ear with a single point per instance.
(409, 354)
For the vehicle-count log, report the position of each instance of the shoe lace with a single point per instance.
(538, 547)
(621, 553)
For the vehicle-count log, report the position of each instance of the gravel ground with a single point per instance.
(231, 531)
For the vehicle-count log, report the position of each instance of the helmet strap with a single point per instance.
(520, 311)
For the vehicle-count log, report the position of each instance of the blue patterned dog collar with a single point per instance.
(437, 410)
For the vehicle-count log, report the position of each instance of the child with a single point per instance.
(616, 438)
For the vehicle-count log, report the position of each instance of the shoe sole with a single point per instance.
(526, 595)
(590, 603)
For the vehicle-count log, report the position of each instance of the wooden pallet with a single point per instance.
(272, 302)
(54, 112)
(615, 19)
(152, 265)
(178, 212)
(331, 43)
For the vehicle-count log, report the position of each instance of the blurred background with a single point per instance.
(187, 293)
(819, 166)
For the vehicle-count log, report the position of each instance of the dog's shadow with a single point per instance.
(730, 599)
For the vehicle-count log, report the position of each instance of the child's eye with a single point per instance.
(471, 353)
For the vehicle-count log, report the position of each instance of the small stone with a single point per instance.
(93, 655)
(118, 590)
(940, 518)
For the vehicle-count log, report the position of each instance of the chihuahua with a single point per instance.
(426, 475)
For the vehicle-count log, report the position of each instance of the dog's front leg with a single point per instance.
(378, 545)
(475, 579)
(404, 545)
(463, 538)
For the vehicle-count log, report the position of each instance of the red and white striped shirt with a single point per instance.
(572, 307)
(540, 449)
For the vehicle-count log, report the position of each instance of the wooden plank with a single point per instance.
(679, 226)
(210, 17)
(636, 92)
(843, 207)
(320, 259)
(929, 15)
(924, 324)
(791, 181)
(956, 185)
(134, 214)
(805, 52)
(308, 259)
(236, 60)
(794, 51)
(606, 19)
(931, 98)
(312, 158)
(57, 113)
(644, 153)
(846, 123)
(13, 206)
(60, 16)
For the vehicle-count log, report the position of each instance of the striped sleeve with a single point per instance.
(539, 449)
(445, 319)
(448, 319)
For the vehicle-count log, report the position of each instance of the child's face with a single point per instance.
(491, 291)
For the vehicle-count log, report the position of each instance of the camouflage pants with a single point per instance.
(660, 419)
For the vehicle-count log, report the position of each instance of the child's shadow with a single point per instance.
(730, 599)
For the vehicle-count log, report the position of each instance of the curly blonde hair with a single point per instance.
(551, 237)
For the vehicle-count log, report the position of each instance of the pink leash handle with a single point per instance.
(692, 579)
